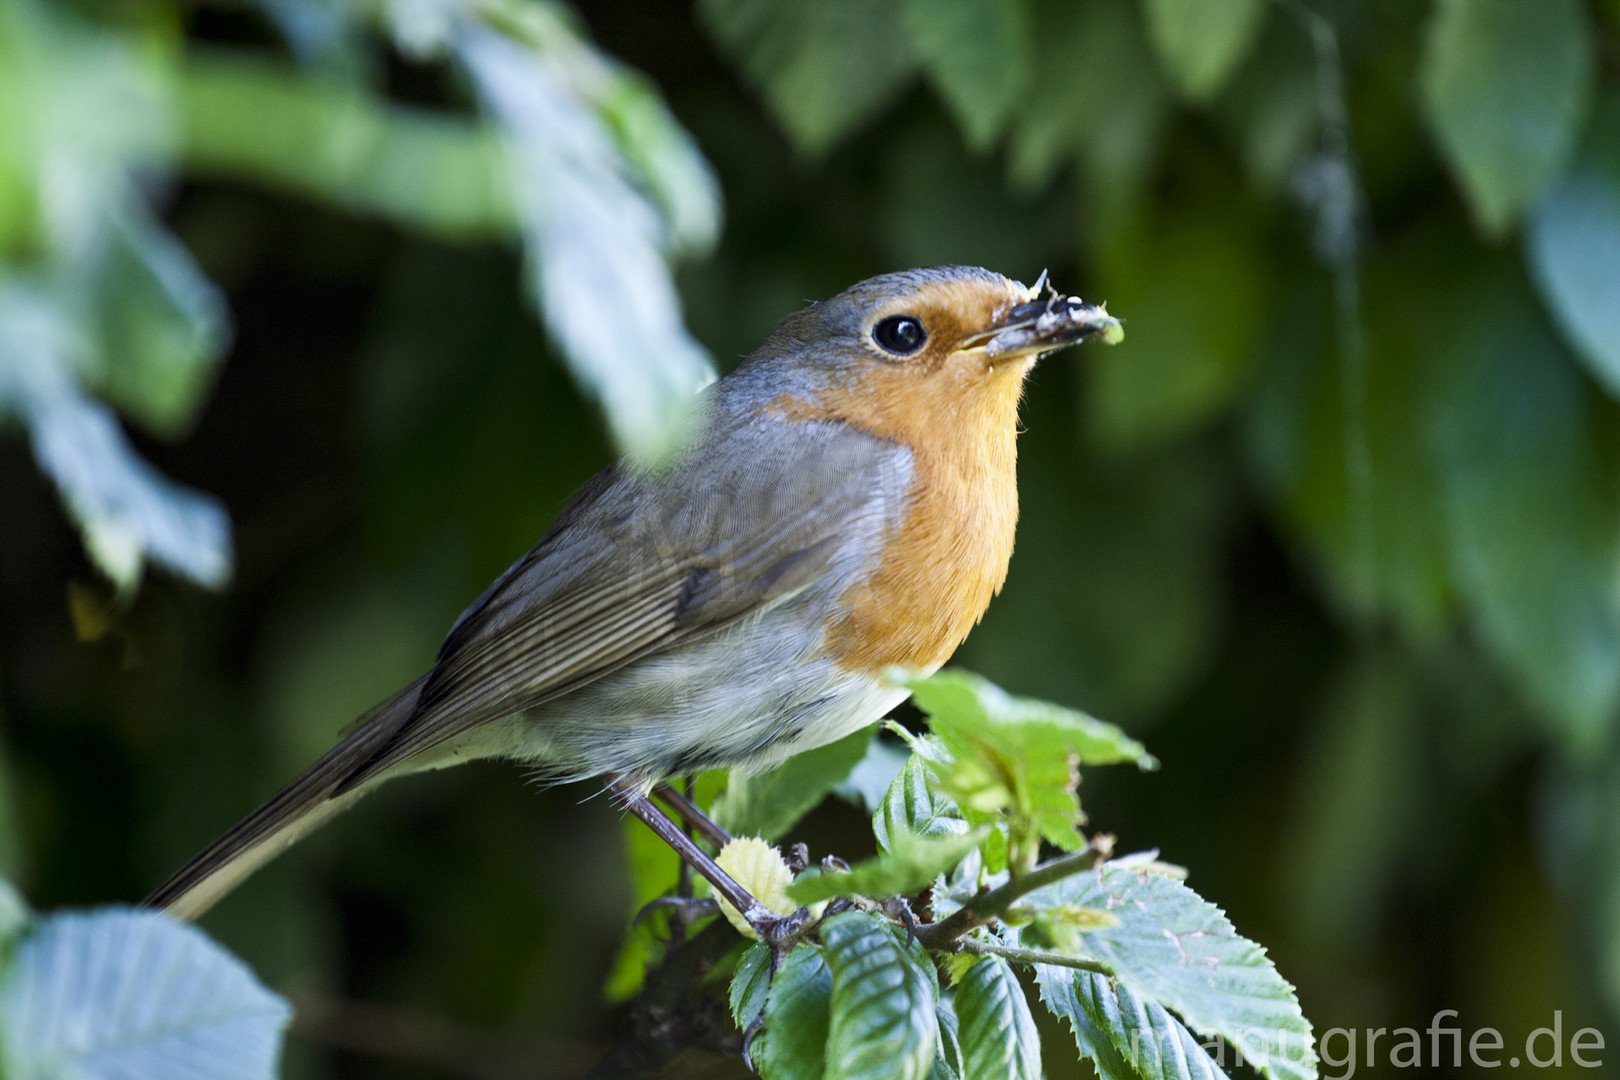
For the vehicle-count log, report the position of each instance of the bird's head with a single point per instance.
(944, 345)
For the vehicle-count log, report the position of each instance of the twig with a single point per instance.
(991, 905)
(1032, 956)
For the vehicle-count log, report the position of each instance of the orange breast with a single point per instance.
(948, 556)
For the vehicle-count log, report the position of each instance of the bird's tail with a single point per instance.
(291, 813)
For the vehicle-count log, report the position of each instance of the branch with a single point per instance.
(1033, 956)
(989, 906)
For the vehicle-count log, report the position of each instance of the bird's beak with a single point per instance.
(1043, 326)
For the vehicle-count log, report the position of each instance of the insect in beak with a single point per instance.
(1038, 327)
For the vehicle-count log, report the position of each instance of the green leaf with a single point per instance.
(869, 781)
(22, 232)
(948, 1062)
(942, 203)
(1507, 410)
(1196, 292)
(584, 159)
(1573, 247)
(109, 295)
(658, 155)
(824, 66)
(1505, 85)
(768, 804)
(913, 807)
(1201, 42)
(1058, 995)
(1272, 106)
(324, 35)
(163, 323)
(270, 123)
(95, 111)
(14, 919)
(1013, 759)
(792, 1044)
(962, 701)
(909, 863)
(126, 511)
(1061, 927)
(884, 1026)
(666, 161)
(160, 325)
(750, 984)
(1101, 97)
(1382, 548)
(120, 992)
(1177, 950)
(999, 1040)
(1124, 1037)
(976, 54)
(596, 245)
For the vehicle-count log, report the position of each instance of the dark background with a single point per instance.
(1360, 765)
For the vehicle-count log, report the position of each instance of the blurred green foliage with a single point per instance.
(1337, 524)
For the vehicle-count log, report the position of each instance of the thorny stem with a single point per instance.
(1032, 956)
(988, 906)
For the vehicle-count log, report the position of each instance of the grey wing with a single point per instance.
(638, 565)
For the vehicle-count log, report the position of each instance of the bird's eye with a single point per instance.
(902, 334)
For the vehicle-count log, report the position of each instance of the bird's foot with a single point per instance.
(750, 1033)
(899, 909)
(780, 932)
(687, 909)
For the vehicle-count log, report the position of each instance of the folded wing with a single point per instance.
(641, 564)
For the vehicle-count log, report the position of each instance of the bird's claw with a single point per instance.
(899, 908)
(687, 909)
(798, 857)
(749, 1034)
(780, 932)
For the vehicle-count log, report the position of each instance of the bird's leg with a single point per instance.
(776, 930)
(683, 886)
(697, 819)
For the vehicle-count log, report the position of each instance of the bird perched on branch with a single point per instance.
(847, 505)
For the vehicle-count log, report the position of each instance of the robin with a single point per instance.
(848, 505)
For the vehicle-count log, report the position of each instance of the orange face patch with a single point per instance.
(951, 312)
(958, 412)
